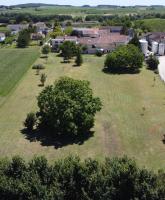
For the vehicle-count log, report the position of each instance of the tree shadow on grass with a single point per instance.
(163, 140)
(121, 71)
(153, 70)
(43, 56)
(65, 62)
(74, 65)
(47, 138)
(40, 85)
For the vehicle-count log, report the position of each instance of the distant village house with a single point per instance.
(2, 37)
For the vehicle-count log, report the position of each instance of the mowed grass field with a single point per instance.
(13, 64)
(123, 127)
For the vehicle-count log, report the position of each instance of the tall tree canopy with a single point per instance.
(23, 38)
(68, 49)
(124, 57)
(71, 178)
(68, 107)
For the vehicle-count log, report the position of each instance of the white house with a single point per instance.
(61, 39)
(2, 37)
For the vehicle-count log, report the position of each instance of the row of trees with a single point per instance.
(15, 17)
(21, 17)
(68, 51)
(119, 20)
(71, 178)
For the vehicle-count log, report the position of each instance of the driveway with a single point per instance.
(161, 67)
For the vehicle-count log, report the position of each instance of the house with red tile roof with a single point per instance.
(94, 39)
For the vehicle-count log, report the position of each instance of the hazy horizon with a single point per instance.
(89, 2)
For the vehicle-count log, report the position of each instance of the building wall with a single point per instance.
(2, 39)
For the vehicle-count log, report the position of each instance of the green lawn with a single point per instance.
(13, 64)
(120, 127)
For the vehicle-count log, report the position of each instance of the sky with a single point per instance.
(86, 2)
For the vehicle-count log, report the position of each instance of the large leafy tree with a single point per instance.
(68, 107)
(68, 50)
(57, 31)
(124, 57)
(23, 38)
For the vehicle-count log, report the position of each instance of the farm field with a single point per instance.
(132, 121)
(156, 25)
(83, 11)
(14, 63)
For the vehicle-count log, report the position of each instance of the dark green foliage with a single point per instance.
(30, 121)
(152, 62)
(9, 40)
(68, 49)
(68, 107)
(46, 49)
(43, 79)
(124, 58)
(23, 38)
(99, 53)
(19, 17)
(79, 59)
(135, 41)
(71, 178)
(124, 30)
(84, 48)
(31, 28)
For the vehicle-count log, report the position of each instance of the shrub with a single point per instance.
(46, 50)
(99, 53)
(30, 121)
(152, 62)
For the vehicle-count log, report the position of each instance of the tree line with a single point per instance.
(20, 17)
(72, 178)
(117, 19)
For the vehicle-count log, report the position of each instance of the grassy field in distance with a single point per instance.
(14, 63)
(83, 11)
(121, 128)
(157, 25)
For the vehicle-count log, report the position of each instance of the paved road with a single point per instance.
(161, 67)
